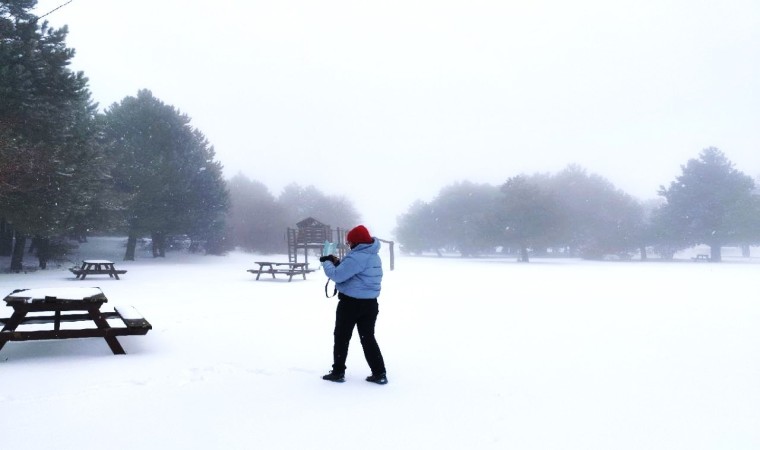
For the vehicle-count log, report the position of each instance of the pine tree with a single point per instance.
(711, 203)
(256, 221)
(51, 170)
(530, 214)
(165, 174)
(300, 202)
(595, 218)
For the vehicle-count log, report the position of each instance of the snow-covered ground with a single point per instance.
(481, 354)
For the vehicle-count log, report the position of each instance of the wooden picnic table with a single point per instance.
(67, 305)
(97, 267)
(288, 268)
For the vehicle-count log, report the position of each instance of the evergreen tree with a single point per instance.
(300, 202)
(664, 233)
(51, 170)
(530, 214)
(208, 198)
(648, 236)
(165, 173)
(416, 229)
(465, 218)
(711, 203)
(596, 219)
(256, 221)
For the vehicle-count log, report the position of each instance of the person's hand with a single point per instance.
(332, 258)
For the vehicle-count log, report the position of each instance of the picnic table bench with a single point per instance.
(701, 258)
(67, 305)
(96, 267)
(287, 268)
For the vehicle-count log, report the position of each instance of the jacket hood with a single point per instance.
(374, 247)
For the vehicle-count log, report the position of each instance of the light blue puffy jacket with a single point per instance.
(360, 273)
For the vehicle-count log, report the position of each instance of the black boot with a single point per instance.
(378, 378)
(334, 376)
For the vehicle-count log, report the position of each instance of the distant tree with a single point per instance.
(465, 218)
(256, 222)
(339, 211)
(165, 173)
(208, 198)
(665, 235)
(51, 170)
(300, 202)
(530, 214)
(416, 229)
(597, 219)
(711, 203)
(647, 238)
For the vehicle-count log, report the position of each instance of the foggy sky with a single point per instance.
(388, 102)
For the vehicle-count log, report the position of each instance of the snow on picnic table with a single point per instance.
(67, 293)
(481, 354)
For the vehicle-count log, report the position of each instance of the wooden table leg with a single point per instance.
(82, 272)
(10, 325)
(113, 343)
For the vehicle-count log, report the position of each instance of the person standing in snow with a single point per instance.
(357, 278)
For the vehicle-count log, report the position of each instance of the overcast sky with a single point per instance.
(387, 102)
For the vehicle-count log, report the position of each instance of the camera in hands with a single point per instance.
(332, 258)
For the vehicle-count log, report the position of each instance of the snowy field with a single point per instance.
(481, 354)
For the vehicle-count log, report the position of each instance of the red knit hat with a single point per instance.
(359, 235)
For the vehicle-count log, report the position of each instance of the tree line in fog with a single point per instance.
(573, 213)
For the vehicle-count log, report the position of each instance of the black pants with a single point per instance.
(361, 313)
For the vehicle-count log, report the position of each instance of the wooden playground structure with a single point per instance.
(311, 234)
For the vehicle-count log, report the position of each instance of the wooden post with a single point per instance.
(390, 247)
